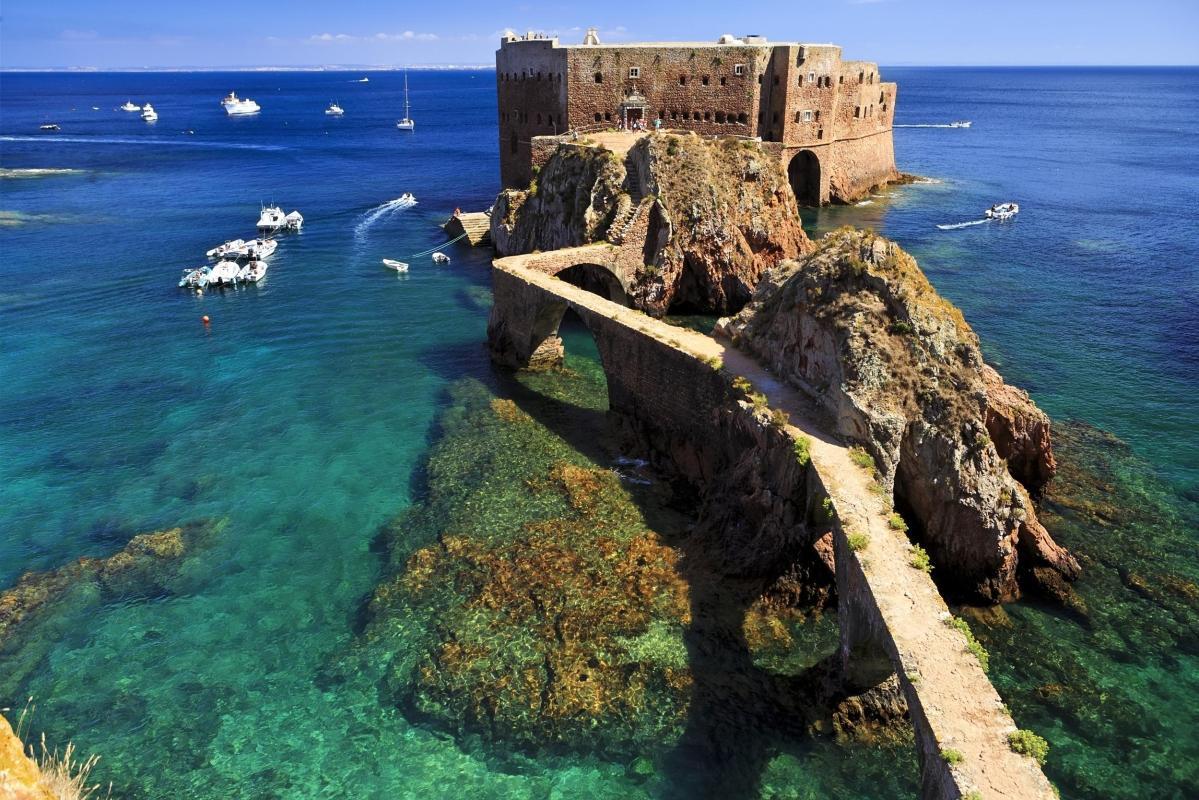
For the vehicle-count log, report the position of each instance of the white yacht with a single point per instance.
(149, 114)
(407, 123)
(398, 266)
(1003, 211)
(253, 272)
(231, 246)
(224, 274)
(272, 218)
(235, 106)
(131, 106)
(334, 110)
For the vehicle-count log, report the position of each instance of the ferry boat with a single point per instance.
(334, 110)
(49, 126)
(131, 106)
(407, 123)
(235, 106)
(398, 266)
(1002, 211)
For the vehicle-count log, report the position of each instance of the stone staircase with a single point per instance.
(625, 216)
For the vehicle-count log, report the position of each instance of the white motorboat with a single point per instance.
(131, 106)
(1002, 211)
(960, 123)
(149, 114)
(272, 218)
(334, 110)
(49, 126)
(224, 274)
(195, 278)
(293, 221)
(441, 258)
(407, 123)
(365, 80)
(398, 266)
(259, 248)
(235, 106)
(221, 250)
(253, 272)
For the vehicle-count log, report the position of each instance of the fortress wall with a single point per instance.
(858, 165)
(531, 89)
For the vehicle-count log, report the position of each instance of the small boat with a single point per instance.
(960, 123)
(441, 258)
(235, 106)
(293, 221)
(1002, 211)
(131, 106)
(259, 249)
(253, 272)
(398, 266)
(364, 80)
(149, 114)
(95, 108)
(221, 250)
(195, 278)
(334, 110)
(224, 274)
(49, 126)
(407, 123)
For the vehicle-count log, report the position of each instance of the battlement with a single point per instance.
(833, 117)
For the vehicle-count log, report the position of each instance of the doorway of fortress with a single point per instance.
(633, 114)
(803, 173)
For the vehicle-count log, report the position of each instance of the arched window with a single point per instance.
(682, 80)
(704, 80)
(707, 116)
(743, 118)
(720, 117)
(599, 77)
(598, 116)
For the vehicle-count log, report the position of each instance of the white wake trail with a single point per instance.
(957, 225)
(380, 211)
(929, 125)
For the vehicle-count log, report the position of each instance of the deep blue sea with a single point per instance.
(302, 414)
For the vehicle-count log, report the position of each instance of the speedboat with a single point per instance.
(195, 278)
(1002, 211)
(49, 126)
(220, 251)
(407, 123)
(235, 105)
(258, 249)
(407, 199)
(293, 221)
(960, 123)
(224, 274)
(441, 258)
(131, 106)
(253, 272)
(149, 114)
(398, 266)
(365, 80)
(334, 110)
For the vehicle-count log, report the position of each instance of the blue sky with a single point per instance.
(210, 33)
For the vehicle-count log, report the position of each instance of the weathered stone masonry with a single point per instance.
(832, 117)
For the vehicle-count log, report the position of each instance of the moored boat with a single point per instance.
(253, 272)
(334, 110)
(398, 266)
(407, 123)
(131, 106)
(195, 278)
(441, 258)
(235, 105)
(224, 274)
(221, 250)
(149, 114)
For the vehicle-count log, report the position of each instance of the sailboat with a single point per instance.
(407, 123)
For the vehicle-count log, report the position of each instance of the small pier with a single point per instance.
(475, 225)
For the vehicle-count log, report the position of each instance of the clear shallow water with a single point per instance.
(303, 415)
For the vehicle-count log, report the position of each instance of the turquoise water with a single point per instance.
(303, 415)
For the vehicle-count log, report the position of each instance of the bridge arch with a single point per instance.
(803, 173)
(597, 279)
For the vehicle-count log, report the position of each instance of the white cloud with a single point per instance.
(345, 38)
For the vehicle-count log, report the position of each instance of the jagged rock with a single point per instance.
(707, 217)
(20, 777)
(858, 327)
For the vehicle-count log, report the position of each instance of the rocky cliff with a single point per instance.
(858, 326)
(707, 218)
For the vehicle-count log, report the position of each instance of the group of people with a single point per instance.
(637, 125)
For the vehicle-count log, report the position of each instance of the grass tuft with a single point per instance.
(896, 522)
(858, 541)
(1027, 743)
(919, 559)
(952, 757)
(803, 451)
(972, 644)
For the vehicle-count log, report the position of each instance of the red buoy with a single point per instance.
(205, 319)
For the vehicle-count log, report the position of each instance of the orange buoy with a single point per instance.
(205, 319)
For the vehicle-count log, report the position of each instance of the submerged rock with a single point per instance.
(858, 327)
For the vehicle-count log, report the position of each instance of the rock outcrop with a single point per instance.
(20, 776)
(706, 218)
(858, 327)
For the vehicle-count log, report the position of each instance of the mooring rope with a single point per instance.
(438, 247)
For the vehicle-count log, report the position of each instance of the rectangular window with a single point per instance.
(738, 69)
(811, 77)
(634, 72)
(807, 116)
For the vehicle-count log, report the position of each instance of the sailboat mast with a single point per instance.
(407, 113)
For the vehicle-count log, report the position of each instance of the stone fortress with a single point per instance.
(831, 118)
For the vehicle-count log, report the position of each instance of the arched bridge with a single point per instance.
(672, 386)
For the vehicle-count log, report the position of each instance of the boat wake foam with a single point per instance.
(143, 141)
(957, 225)
(930, 125)
(379, 212)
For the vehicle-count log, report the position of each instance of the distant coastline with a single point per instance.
(316, 68)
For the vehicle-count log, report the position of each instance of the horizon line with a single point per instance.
(491, 67)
